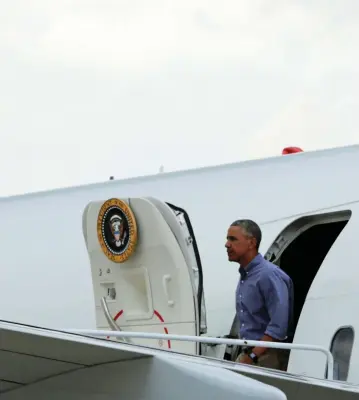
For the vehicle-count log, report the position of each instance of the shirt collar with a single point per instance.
(255, 262)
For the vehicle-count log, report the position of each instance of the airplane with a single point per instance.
(64, 276)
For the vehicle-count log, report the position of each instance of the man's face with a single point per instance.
(238, 244)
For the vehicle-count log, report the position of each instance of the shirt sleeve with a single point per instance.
(276, 298)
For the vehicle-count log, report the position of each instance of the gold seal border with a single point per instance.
(132, 227)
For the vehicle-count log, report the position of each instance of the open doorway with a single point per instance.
(305, 244)
(300, 250)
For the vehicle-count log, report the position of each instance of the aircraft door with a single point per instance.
(180, 224)
(141, 275)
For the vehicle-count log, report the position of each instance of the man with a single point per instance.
(264, 297)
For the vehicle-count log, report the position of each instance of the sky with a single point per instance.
(90, 89)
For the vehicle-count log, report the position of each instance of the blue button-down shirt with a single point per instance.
(264, 301)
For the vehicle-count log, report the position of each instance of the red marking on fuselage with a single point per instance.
(158, 315)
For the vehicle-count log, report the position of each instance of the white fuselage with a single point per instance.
(45, 276)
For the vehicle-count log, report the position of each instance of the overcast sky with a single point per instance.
(90, 89)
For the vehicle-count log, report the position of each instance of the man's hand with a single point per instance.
(245, 359)
(258, 351)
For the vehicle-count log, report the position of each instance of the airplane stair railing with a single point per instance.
(111, 321)
(212, 340)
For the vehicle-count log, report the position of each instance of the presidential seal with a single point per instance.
(117, 230)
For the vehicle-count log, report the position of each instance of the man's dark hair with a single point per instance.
(250, 229)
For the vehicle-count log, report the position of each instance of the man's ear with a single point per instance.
(254, 243)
